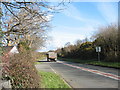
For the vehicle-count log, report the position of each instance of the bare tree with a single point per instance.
(29, 30)
(23, 19)
(107, 38)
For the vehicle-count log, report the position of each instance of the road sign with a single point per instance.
(98, 49)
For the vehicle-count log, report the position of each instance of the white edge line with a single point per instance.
(60, 77)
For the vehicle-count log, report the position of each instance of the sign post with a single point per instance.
(98, 50)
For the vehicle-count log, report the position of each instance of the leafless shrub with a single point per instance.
(23, 73)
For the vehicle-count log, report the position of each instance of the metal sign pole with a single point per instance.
(99, 56)
(98, 50)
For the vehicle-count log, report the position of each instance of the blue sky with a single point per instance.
(80, 20)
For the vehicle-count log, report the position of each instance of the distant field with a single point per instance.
(39, 59)
(51, 80)
(94, 62)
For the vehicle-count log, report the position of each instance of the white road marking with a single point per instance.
(113, 76)
(60, 76)
(53, 70)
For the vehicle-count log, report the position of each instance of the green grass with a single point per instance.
(41, 58)
(108, 64)
(94, 62)
(37, 62)
(51, 80)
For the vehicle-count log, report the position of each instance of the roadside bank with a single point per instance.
(49, 78)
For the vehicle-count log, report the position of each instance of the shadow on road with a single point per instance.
(41, 61)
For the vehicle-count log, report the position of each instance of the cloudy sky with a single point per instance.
(80, 20)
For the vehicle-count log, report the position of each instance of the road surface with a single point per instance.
(83, 76)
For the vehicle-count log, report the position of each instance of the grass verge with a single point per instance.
(39, 59)
(37, 62)
(94, 62)
(51, 80)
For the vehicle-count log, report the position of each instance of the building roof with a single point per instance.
(6, 49)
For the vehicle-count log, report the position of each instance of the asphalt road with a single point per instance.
(83, 76)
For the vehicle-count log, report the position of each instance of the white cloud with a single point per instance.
(48, 17)
(61, 38)
(74, 13)
(76, 30)
(68, 34)
(109, 12)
